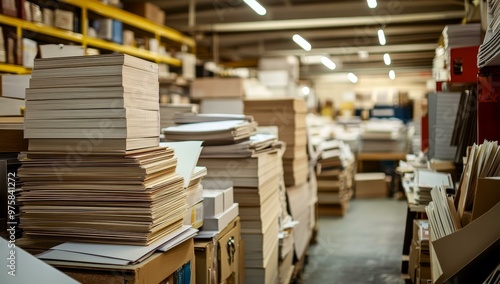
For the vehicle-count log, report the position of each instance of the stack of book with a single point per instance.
(380, 135)
(335, 179)
(289, 115)
(94, 171)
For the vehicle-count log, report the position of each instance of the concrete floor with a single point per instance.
(362, 247)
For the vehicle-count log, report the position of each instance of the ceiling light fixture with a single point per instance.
(353, 78)
(259, 9)
(372, 3)
(302, 42)
(381, 37)
(387, 59)
(305, 90)
(392, 74)
(328, 63)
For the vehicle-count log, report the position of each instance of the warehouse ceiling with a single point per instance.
(231, 33)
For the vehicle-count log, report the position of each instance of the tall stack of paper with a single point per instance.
(334, 182)
(94, 171)
(489, 51)
(256, 189)
(289, 115)
(442, 114)
(380, 135)
(95, 103)
(168, 112)
(298, 197)
(251, 165)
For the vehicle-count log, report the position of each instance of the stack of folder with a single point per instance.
(94, 171)
(289, 115)
(335, 180)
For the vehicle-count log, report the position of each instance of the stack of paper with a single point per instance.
(184, 118)
(256, 182)
(81, 179)
(168, 112)
(442, 114)
(334, 181)
(289, 115)
(258, 143)
(125, 198)
(426, 180)
(212, 133)
(462, 35)
(92, 103)
(380, 135)
(489, 51)
(11, 131)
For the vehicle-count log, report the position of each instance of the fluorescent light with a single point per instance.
(302, 42)
(392, 74)
(372, 3)
(259, 9)
(353, 78)
(328, 63)
(306, 90)
(381, 37)
(387, 59)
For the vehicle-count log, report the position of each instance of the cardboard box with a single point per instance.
(14, 86)
(147, 10)
(487, 195)
(213, 202)
(64, 19)
(204, 88)
(370, 185)
(467, 254)
(218, 259)
(155, 269)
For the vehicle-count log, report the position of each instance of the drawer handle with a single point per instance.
(231, 250)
